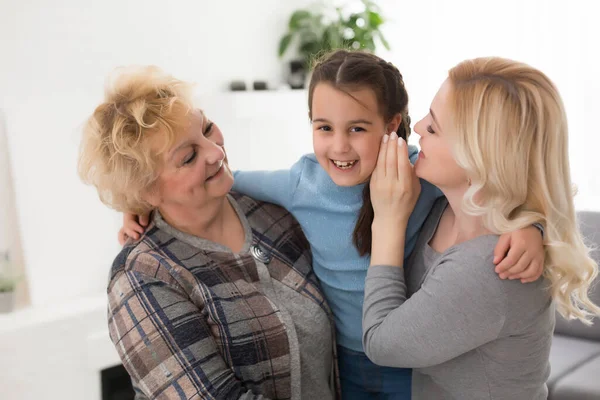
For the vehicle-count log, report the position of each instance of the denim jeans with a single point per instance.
(361, 379)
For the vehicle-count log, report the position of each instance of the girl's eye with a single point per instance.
(357, 129)
(430, 129)
(325, 128)
(190, 158)
(208, 129)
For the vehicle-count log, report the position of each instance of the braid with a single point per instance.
(405, 126)
(398, 98)
(395, 101)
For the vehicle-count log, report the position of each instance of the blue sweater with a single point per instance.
(327, 214)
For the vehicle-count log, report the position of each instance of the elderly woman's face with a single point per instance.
(194, 170)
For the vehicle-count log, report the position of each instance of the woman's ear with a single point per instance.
(394, 124)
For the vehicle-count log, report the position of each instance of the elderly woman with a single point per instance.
(495, 143)
(217, 300)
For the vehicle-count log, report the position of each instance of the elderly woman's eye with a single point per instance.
(190, 157)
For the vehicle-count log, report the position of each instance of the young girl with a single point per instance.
(355, 98)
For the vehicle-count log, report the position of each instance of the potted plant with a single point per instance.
(324, 28)
(8, 285)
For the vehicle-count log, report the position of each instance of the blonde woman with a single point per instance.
(218, 299)
(495, 142)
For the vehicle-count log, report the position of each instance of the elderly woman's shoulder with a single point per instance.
(138, 256)
(263, 214)
(274, 225)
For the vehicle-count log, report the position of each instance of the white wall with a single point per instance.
(55, 56)
(10, 238)
(7, 209)
(561, 38)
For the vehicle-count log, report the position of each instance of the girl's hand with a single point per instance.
(133, 227)
(520, 255)
(394, 186)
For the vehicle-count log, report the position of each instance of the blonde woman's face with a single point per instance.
(436, 163)
(194, 170)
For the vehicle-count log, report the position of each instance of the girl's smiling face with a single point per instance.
(347, 132)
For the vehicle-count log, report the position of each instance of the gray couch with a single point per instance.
(575, 353)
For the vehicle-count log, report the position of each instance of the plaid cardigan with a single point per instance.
(192, 324)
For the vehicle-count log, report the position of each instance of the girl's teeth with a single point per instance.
(344, 164)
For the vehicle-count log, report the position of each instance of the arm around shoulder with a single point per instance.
(277, 187)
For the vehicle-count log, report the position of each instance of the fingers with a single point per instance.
(122, 237)
(511, 259)
(404, 165)
(134, 227)
(518, 268)
(533, 272)
(126, 234)
(128, 218)
(380, 167)
(391, 161)
(529, 280)
(501, 249)
(134, 224)
(144, 219)
(131, 233)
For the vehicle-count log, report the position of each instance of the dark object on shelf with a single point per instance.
(237, 86)
(259, 85)
(297, 76)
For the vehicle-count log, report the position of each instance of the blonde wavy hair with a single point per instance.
(512, 140)
(119, 155)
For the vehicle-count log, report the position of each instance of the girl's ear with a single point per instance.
(394, 124)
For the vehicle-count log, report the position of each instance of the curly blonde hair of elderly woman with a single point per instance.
(512, 139)
(142, 111)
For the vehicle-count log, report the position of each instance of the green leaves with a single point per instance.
(298, 18)
(374, 19)
(316, 34)
(284, 43)
(383, 41)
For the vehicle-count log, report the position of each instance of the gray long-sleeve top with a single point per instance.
(467, 333)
